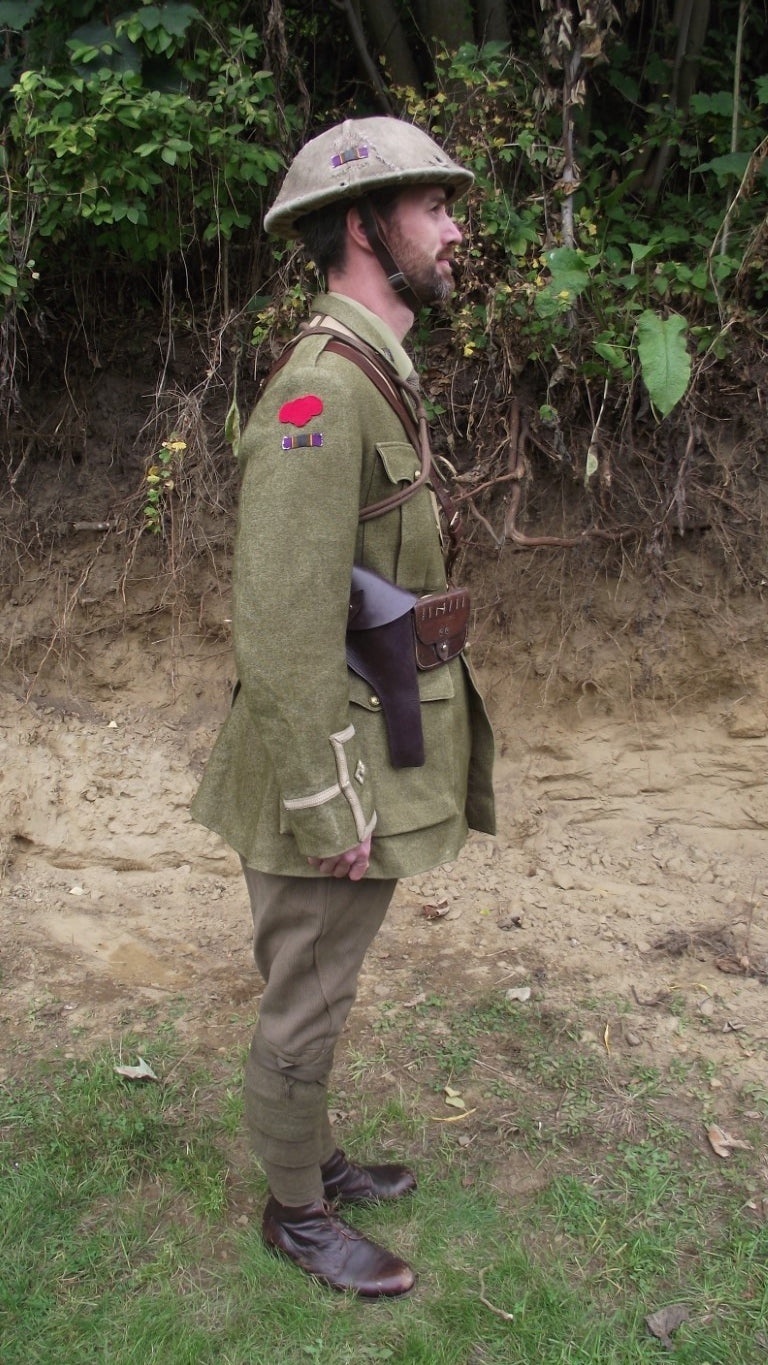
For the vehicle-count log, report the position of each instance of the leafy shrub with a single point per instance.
(608, 306)
(138, 141)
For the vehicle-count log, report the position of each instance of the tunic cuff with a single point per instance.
(322, 817)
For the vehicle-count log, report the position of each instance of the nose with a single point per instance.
(452, 233)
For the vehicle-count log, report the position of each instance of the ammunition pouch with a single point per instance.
(440, 625)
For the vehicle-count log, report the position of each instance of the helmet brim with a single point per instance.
(358, 158)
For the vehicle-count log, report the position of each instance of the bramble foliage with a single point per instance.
(645, 286)
(160, 482)
(135, 141)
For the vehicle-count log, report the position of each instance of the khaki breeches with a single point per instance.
(310, 936)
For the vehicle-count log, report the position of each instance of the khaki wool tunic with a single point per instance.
(301, 765)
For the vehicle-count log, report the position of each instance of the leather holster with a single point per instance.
(380, 650)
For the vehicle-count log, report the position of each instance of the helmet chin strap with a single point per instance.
(395, 277)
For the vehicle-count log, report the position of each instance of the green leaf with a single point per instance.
(173, 19)
(615, 355)
(664, 359)
(570, 278)
(731, 163)
(9, 279)
(567, 269)
(99, 42)
(177, 18)
(641, 249)
(720, 104)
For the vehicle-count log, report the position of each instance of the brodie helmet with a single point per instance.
(354, 158)
(351, 161)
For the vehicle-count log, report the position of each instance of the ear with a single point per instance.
(357, 233)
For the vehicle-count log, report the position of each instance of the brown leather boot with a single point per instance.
(317, 1241)
(348, 1183)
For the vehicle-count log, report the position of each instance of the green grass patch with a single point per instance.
(129, 1225)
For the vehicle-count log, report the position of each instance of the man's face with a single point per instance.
(422, 235)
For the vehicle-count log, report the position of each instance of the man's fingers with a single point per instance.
(341, 867)
(354, 863)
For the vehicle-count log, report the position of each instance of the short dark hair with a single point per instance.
(324, 237)
(324, 232)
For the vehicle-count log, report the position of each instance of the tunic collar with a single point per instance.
(367, 325)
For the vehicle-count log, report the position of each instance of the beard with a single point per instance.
(429, 282)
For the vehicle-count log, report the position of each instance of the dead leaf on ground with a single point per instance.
(340, 1115)
(666, 1320)
(142, 1072)
(438, 911)
(453, 1098)
(735, 966)
(661, 998)
(722, 1143)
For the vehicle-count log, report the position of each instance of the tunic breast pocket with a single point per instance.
(419, 551)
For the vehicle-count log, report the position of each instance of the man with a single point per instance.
(329, 787)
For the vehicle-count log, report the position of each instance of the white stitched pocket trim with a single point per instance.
(308, 802)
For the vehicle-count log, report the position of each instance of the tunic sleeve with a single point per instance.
(295, 547)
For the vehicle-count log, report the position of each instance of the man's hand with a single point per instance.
(353, 864)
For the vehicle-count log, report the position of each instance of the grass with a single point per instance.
(129, 1213)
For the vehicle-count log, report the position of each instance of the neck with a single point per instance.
(375, 294)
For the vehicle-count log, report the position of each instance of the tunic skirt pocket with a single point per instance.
(408, 799)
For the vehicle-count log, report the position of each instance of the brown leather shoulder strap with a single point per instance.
(414, 421)
(391, 386)
(417, 435)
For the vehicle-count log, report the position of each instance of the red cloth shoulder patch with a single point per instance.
(299, 411)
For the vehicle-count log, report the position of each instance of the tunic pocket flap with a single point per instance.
(434, 686)
(400, 461)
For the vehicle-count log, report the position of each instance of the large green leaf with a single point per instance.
(731, 163)
(664, 359)
(174, 19)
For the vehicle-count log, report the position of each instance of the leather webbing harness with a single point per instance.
(400, 395)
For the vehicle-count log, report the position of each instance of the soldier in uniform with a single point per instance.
(332, 783)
